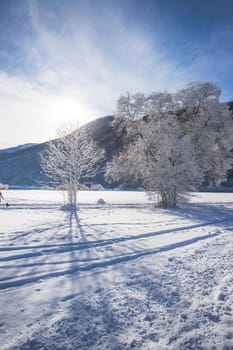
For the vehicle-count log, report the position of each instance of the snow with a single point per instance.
(118, 275)
(17, 148)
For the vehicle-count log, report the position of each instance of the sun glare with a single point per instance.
(65, 110)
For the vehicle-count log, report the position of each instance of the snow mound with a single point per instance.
(101, 201)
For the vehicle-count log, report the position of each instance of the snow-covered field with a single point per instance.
(122, 275)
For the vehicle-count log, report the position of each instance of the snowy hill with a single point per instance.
(20, 166)
(17, 148)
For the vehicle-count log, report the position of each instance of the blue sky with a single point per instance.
(69, 60)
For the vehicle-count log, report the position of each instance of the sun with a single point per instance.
(67, 110)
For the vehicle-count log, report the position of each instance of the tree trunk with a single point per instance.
(168, 200)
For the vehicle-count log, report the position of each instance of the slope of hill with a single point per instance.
(21, 166)
(17, 148)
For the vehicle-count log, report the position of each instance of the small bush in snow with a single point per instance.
(4, 186)
(101, 201)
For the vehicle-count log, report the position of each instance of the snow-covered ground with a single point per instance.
(121, 275)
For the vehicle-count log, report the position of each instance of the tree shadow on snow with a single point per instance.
(80, 249)
(82, 255)
(209, 213)
(95, 321)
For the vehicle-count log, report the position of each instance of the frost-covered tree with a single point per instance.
(173, 142)
(173, 170)
(162, 161)
(71, 159)
(209, 123)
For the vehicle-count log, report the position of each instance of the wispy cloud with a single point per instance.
(97, 59)
(77, 62)
(212, 60)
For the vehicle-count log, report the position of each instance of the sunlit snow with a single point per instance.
(117, 275)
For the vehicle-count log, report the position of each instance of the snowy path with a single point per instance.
(117, 276)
